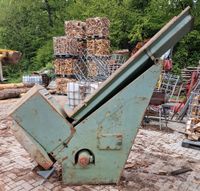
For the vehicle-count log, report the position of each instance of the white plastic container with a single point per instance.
(78, 91)
(32, 79)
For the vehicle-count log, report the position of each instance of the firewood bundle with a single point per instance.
(193, 132)
(64, 66)
(81, 39)
(193, 124)
(75, 29)
(98, 47)
(92, 69)
(68, 46)
(97, 27)
(61, 85)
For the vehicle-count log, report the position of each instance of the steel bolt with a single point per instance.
(84, 158)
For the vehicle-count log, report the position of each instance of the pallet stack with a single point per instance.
(89, 38)
(97, 33)
(98, 43)
(67, 50)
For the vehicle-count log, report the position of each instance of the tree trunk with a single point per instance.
(14, 86)
(9, 93)
(48, 9)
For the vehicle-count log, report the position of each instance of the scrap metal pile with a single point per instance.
(174, 99)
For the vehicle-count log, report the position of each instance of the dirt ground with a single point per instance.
(154, 155)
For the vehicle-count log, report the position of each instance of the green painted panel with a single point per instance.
(166, 38)
(109, 141)
(122, 116)
(42, 121)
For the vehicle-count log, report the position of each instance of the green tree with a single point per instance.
(28, 26)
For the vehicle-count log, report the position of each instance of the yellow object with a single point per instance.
(8, 57)
(158, 85)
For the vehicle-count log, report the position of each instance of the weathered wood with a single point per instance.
(97, 27)
(9, 93)
(14, 86)
(180, 171)
(10, 56)
(75, 29)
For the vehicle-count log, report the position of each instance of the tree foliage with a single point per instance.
(28, 26)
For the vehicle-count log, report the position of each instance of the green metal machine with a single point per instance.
(93, 142)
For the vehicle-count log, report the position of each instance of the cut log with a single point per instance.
(75, 29)
(14, 86)
(180, 171)
(9, 93)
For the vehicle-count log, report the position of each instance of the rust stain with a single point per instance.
(142, 98)
(119, 136)
(64, 158)
(42, 161)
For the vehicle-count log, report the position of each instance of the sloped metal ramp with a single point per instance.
(93, 142)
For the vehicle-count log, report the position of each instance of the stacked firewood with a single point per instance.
(75, 29)
(90, 37)
(98, 43)
(97, 32)
(61, 85)
(193, 123)
(68, 46)
(64, 66)
(92, 69)
(98, 47)
(97, 27)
